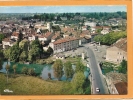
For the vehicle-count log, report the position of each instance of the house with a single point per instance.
(41, 38)
(67, 34)
(91, 24)
(63, 18)
(64, 44)
(60, 56)
(45, 48)
(15, 35)
(7, 42)
(84, 28)
(117, 30)
(121, 88)
(117, 52)
(55, 37)
(32, 37)
(116, 83)
(48, 36)
(104, 32)
(85, 37)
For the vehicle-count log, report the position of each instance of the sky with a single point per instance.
(61, 9)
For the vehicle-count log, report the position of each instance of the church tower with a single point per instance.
(49, 26)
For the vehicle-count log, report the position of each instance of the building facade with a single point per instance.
(117, 52)
(64, 44)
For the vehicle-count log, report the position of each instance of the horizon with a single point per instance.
(63, 9)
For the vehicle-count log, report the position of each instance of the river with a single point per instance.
(40, 70)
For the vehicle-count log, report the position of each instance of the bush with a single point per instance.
(24, 70)
(78, 82)
(41, 61)
(31, 72)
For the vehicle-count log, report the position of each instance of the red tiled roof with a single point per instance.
(65, 40)
(83, 34)
(121, 87)
(87, 37)
(121, 44)
(40, 36)
(6, 40)
(47, 34)
(98, 27)
(67, 29)
(15, 34)
(55, 36)
(86, 31)
(106, 27)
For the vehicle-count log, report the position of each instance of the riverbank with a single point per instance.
(28, 85)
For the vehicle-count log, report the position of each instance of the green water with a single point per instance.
(40, 70)
(37, 68)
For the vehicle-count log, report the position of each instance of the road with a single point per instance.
(97, 78)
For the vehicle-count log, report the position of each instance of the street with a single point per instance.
(97, 79)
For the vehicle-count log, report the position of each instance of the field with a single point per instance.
(28, 85)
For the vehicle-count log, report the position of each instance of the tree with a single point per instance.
(110, 38)
(23, 45)
(36, 49)
(79, 67)
(23, 56)
(68, 70)
(20, 37)
(31, 71)
(123, 67)
(1, 63)
(6, 53)
(2, 36)
(49, 75)
(14, 68)
(58, 69)
(24, 70)
(14, 53)
(7, 69)
(50, 50)
(78, 82)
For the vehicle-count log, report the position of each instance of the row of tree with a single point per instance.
(68, 70)
(110, 38)
(77, 75)
(25, 51)
(57, 17)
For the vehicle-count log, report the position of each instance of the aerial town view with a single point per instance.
(63, 50)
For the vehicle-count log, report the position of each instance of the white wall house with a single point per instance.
(15, 35)
(117, 52)
(104, 32)
(32, 37)
(7, 43)
(64, 44)
(91, 24)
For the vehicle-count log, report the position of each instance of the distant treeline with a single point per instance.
(57, 16)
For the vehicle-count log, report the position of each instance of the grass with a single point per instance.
(28, 85)
(74, 60)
